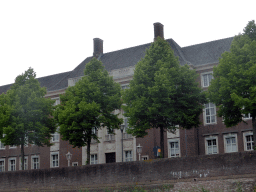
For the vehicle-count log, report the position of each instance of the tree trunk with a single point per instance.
(88, 162)
(22, 156)
(162, 141)
(254, 129)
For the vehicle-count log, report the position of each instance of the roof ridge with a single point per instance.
(208, 42)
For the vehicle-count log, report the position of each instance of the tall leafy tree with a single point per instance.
(25, 114)
(162, 94)
(88, 106)
(233, 88)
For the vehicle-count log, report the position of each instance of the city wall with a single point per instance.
(221, 171)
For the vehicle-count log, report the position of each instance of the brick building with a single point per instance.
(210, 138)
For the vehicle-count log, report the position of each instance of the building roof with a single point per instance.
(200, 54)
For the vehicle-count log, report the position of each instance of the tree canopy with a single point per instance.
(233, 88)
(25, 115)
(162, 94)
(88, 106)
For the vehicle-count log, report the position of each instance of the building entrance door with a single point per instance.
(110, 157)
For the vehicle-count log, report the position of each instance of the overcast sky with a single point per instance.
(54, 36)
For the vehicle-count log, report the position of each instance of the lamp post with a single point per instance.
(139, 150)
(68, 156)
(122, 129)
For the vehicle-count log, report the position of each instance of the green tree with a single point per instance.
(233, 88)
(89, 105)
(25, 115)
(162, 94)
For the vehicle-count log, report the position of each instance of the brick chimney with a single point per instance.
(97, 47)
(158, 30)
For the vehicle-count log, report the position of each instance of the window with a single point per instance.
(109, 137)
(211, 146)
(2, 165)
(35, 162)
(144, 157)
(74, 164)
(248, 141)
(2, 145)
(94, 159)
(206, 79)
(12, 146)
(25, 163)
(56, 136)
(126, 125)
(55, 159)
(126, 86)
(128, 156)
(247, 116)
(210, 113)
(12, 164)
(57, 101)
(174, 148)
(230, 143)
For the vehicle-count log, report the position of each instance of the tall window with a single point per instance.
(211, 145)
(55, 160)
(126, 125)
(128, 156)
(94, 159)
(2, 165)
(56, 136)
(174, 149)
(210, 113)
(248, 141)
(25, 163)
(12, 164)
(206, 79)
(34, 162)
(2, 145)
(230, 143)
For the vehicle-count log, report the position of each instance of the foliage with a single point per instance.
(25, 115)
(162, 94)
(89, 105)
(233, 88)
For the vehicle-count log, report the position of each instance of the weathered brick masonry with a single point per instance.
(176, 170)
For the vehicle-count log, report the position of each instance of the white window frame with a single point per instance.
(110, 137)
(54, 160)
(74, 164)
(128, 156)
(230, 135)
(10, 166)
(202, 78)
(144, 157)
(2, 146)
(210, 115)
(177, 140)
(25, 163)
(206, 145)
(12, 146)
(2, 167)
(57, 101)
(55, 136)
(33, 163)
(94, 161)
(125, 86)
(248, 133)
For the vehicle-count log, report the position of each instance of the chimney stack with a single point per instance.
(97, 47)
(158, 30)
